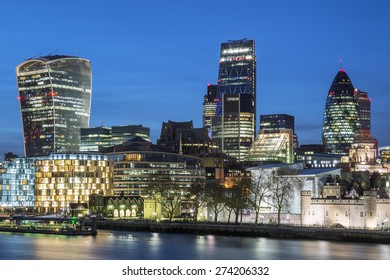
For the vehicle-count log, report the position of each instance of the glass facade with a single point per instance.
(272, 146)
(61, 179)
(17, 180)
(55, 100)
(236, 98)
(209, 106)
(277, 121)
(364, 109)
(93, 137)
(124, 133)
(341, 117)
(136, 171)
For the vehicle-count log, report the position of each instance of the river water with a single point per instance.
(122, 245)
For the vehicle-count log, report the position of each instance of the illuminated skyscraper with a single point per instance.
(341, 117)
(209, 105)
(364, 109)
(55, 101)
(234, 126)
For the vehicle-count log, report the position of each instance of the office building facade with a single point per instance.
(124, 133)
(93, 137)
(135, 172)
(277, 121)
(272, 146)
(234, 125)
(55, 100)
(364, 104)
(209, 106)
(341, 117)
(274, 122)
(63, 179)
(17, 179)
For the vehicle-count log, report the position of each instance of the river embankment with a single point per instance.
(248, 230)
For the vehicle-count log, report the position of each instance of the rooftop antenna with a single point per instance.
(341, 64)
(53, 52)
(37, 55)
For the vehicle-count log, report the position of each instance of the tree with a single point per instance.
(215, 198)
(259, 190)
(237, 198)
(171, 193)
(282, 189)
(196, 195)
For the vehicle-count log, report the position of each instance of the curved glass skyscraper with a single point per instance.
(55, 101)
(341, 117)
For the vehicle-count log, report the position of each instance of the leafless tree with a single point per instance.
(171, 193)
(215, 198)
(260, 191)
(237, 198)
(197, 197)
(282, 190)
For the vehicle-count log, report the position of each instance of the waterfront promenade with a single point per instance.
(250, 230)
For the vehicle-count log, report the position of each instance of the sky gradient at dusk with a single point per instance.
(152, 60)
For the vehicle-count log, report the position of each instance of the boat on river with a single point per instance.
(48, 225)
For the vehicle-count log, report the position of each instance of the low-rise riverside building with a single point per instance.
(17, 179)
(61, 179)
(117, 206)
(332, 210)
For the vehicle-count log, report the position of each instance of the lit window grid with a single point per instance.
(61, 180)
(133, 175)
(17, 183)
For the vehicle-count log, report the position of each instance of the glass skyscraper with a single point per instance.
(234, 125)
(55, 101)
(364, 109)
(209, 105)
(341, 117)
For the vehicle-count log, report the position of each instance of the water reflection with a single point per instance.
(117, 245)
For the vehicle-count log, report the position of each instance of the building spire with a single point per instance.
(341, 64)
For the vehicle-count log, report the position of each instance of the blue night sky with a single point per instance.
(152, 60)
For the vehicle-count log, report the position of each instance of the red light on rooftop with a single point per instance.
(331, 92)
(19, 97)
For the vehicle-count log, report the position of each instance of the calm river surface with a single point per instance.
(122, 245)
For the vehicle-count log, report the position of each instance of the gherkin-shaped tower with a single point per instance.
(341, 117)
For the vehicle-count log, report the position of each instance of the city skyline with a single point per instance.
(155, 65)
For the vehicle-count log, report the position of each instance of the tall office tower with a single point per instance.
(364, 109)
(55, 101)
(341, 117)
(209, 105)
(234, 125)
(124, 133)
(93, 137)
